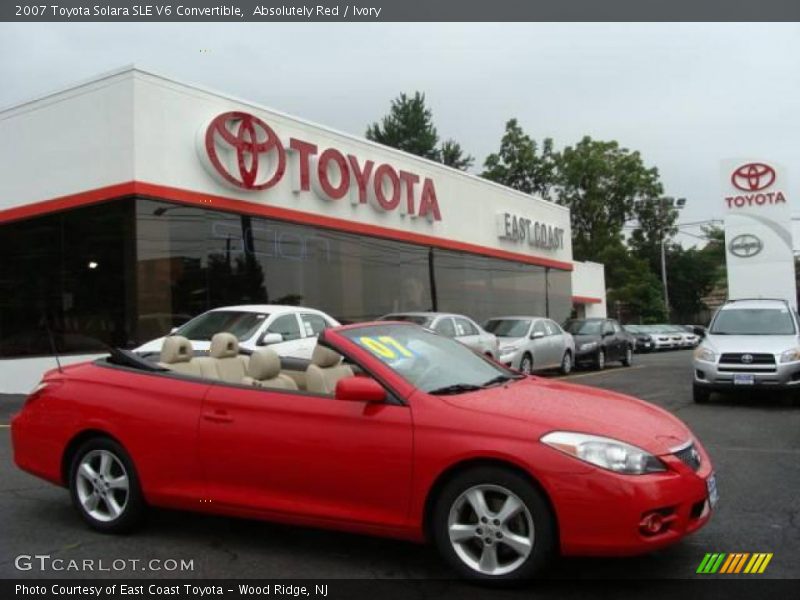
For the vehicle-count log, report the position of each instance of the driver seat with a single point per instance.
(325, 371)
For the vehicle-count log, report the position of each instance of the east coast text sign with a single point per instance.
(244, 152)
(520, 229)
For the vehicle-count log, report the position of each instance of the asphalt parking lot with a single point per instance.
(754, 443)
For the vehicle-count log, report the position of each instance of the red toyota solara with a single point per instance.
(389, 430)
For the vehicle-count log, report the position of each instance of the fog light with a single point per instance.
(700, 374)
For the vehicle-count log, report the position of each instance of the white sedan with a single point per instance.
(289, 330)
(533, 343)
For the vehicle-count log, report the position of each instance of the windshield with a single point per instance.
(753, 321)
(241, 324)
(512, 328)
(430, 362)
(417, 319)
(584, 327)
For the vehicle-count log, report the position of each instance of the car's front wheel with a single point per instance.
(600, 360)
(494, 525)
(566, 363)
(700, 394)
(627, 360)
(526, 364)
(104, 486)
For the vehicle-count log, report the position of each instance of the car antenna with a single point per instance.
(52, 342)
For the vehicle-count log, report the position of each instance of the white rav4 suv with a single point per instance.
(750, 344)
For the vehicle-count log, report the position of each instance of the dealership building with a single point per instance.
(132, 202)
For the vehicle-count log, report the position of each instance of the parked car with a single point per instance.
(458, 327)
(642, 340)
(750, 345)
(412, 436)
(289, 330)
(598, 341)
(664, 337)
(530, 344)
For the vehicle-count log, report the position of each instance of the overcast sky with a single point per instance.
(685, 95)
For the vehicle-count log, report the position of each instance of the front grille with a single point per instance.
(756, 359)
(689, 456)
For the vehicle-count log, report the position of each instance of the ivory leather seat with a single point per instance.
(264, 370)
(177, 355)
(325, 371)
(230, 365)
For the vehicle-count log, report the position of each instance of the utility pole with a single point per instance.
(664, 273)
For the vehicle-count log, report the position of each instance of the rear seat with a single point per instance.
(231, 366)
(177, 355)
(264, 370)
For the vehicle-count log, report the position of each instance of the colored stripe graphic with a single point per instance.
(711, 563)
(733, 563)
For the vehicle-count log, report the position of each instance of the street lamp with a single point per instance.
(668, 202)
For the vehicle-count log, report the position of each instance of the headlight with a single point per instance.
(790, 355)
(703, 353)
(588, 346)
(604, 452)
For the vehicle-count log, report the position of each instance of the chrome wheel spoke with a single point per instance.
(91, 501)
(87, 472)
(105, 464)
(114, 509)
(510, 508)
(518, 543)
(460, 533)
(477, 500)
(119, 483)
(488, 562)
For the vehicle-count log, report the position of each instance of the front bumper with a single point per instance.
(607, 521)
(721, 376)
(511, 359)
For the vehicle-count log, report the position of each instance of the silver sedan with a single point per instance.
(533, 343)
(458, 327)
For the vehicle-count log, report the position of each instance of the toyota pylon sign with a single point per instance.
(758, 230)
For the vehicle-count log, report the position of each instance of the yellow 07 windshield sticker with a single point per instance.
(385, 347)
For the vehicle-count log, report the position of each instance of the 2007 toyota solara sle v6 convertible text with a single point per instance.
(389, 429)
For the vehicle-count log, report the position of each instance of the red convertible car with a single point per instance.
(389, 430)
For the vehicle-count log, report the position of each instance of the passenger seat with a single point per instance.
(177, 355)
(264, 370)
(230, 365)
(325, 370)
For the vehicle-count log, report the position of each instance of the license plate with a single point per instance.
(743, 379)
(713, 495)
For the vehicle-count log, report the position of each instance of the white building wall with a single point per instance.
(589, 283)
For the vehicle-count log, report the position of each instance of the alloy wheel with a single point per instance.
(566, 363)
(102, 485)
(526, 366)
(491, 530)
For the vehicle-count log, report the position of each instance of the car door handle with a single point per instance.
(218, 416)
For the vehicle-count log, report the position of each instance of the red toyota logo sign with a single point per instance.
(254, 142)
(753, 177)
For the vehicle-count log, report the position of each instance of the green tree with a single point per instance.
(691, 274)
(452, 155)
(519, 165)
(409, 127)
(632, 288)
(601, 183)
(655, 221)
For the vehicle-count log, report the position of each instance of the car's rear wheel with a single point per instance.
(104, 486)
(566, 363)
(628, 358)
(700, 394)
(600, 360)
(526, 364)
(493, 525)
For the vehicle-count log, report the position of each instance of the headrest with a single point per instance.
(176, 349)
(224, 345)
(325, 358)
(264, 364)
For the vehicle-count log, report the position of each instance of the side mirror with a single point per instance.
(173, 330)
(700, 331)
(270, 338)
(359, 389)
(536, 335)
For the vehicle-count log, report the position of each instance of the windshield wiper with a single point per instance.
(501, 379)
(456, 388)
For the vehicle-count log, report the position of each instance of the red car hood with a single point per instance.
(553, 405)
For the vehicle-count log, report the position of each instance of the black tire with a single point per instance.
(627, 359)
(600, 360)
(544, 524)
(133, 507)
(566, 363)
(700, 395)
(529, 359)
